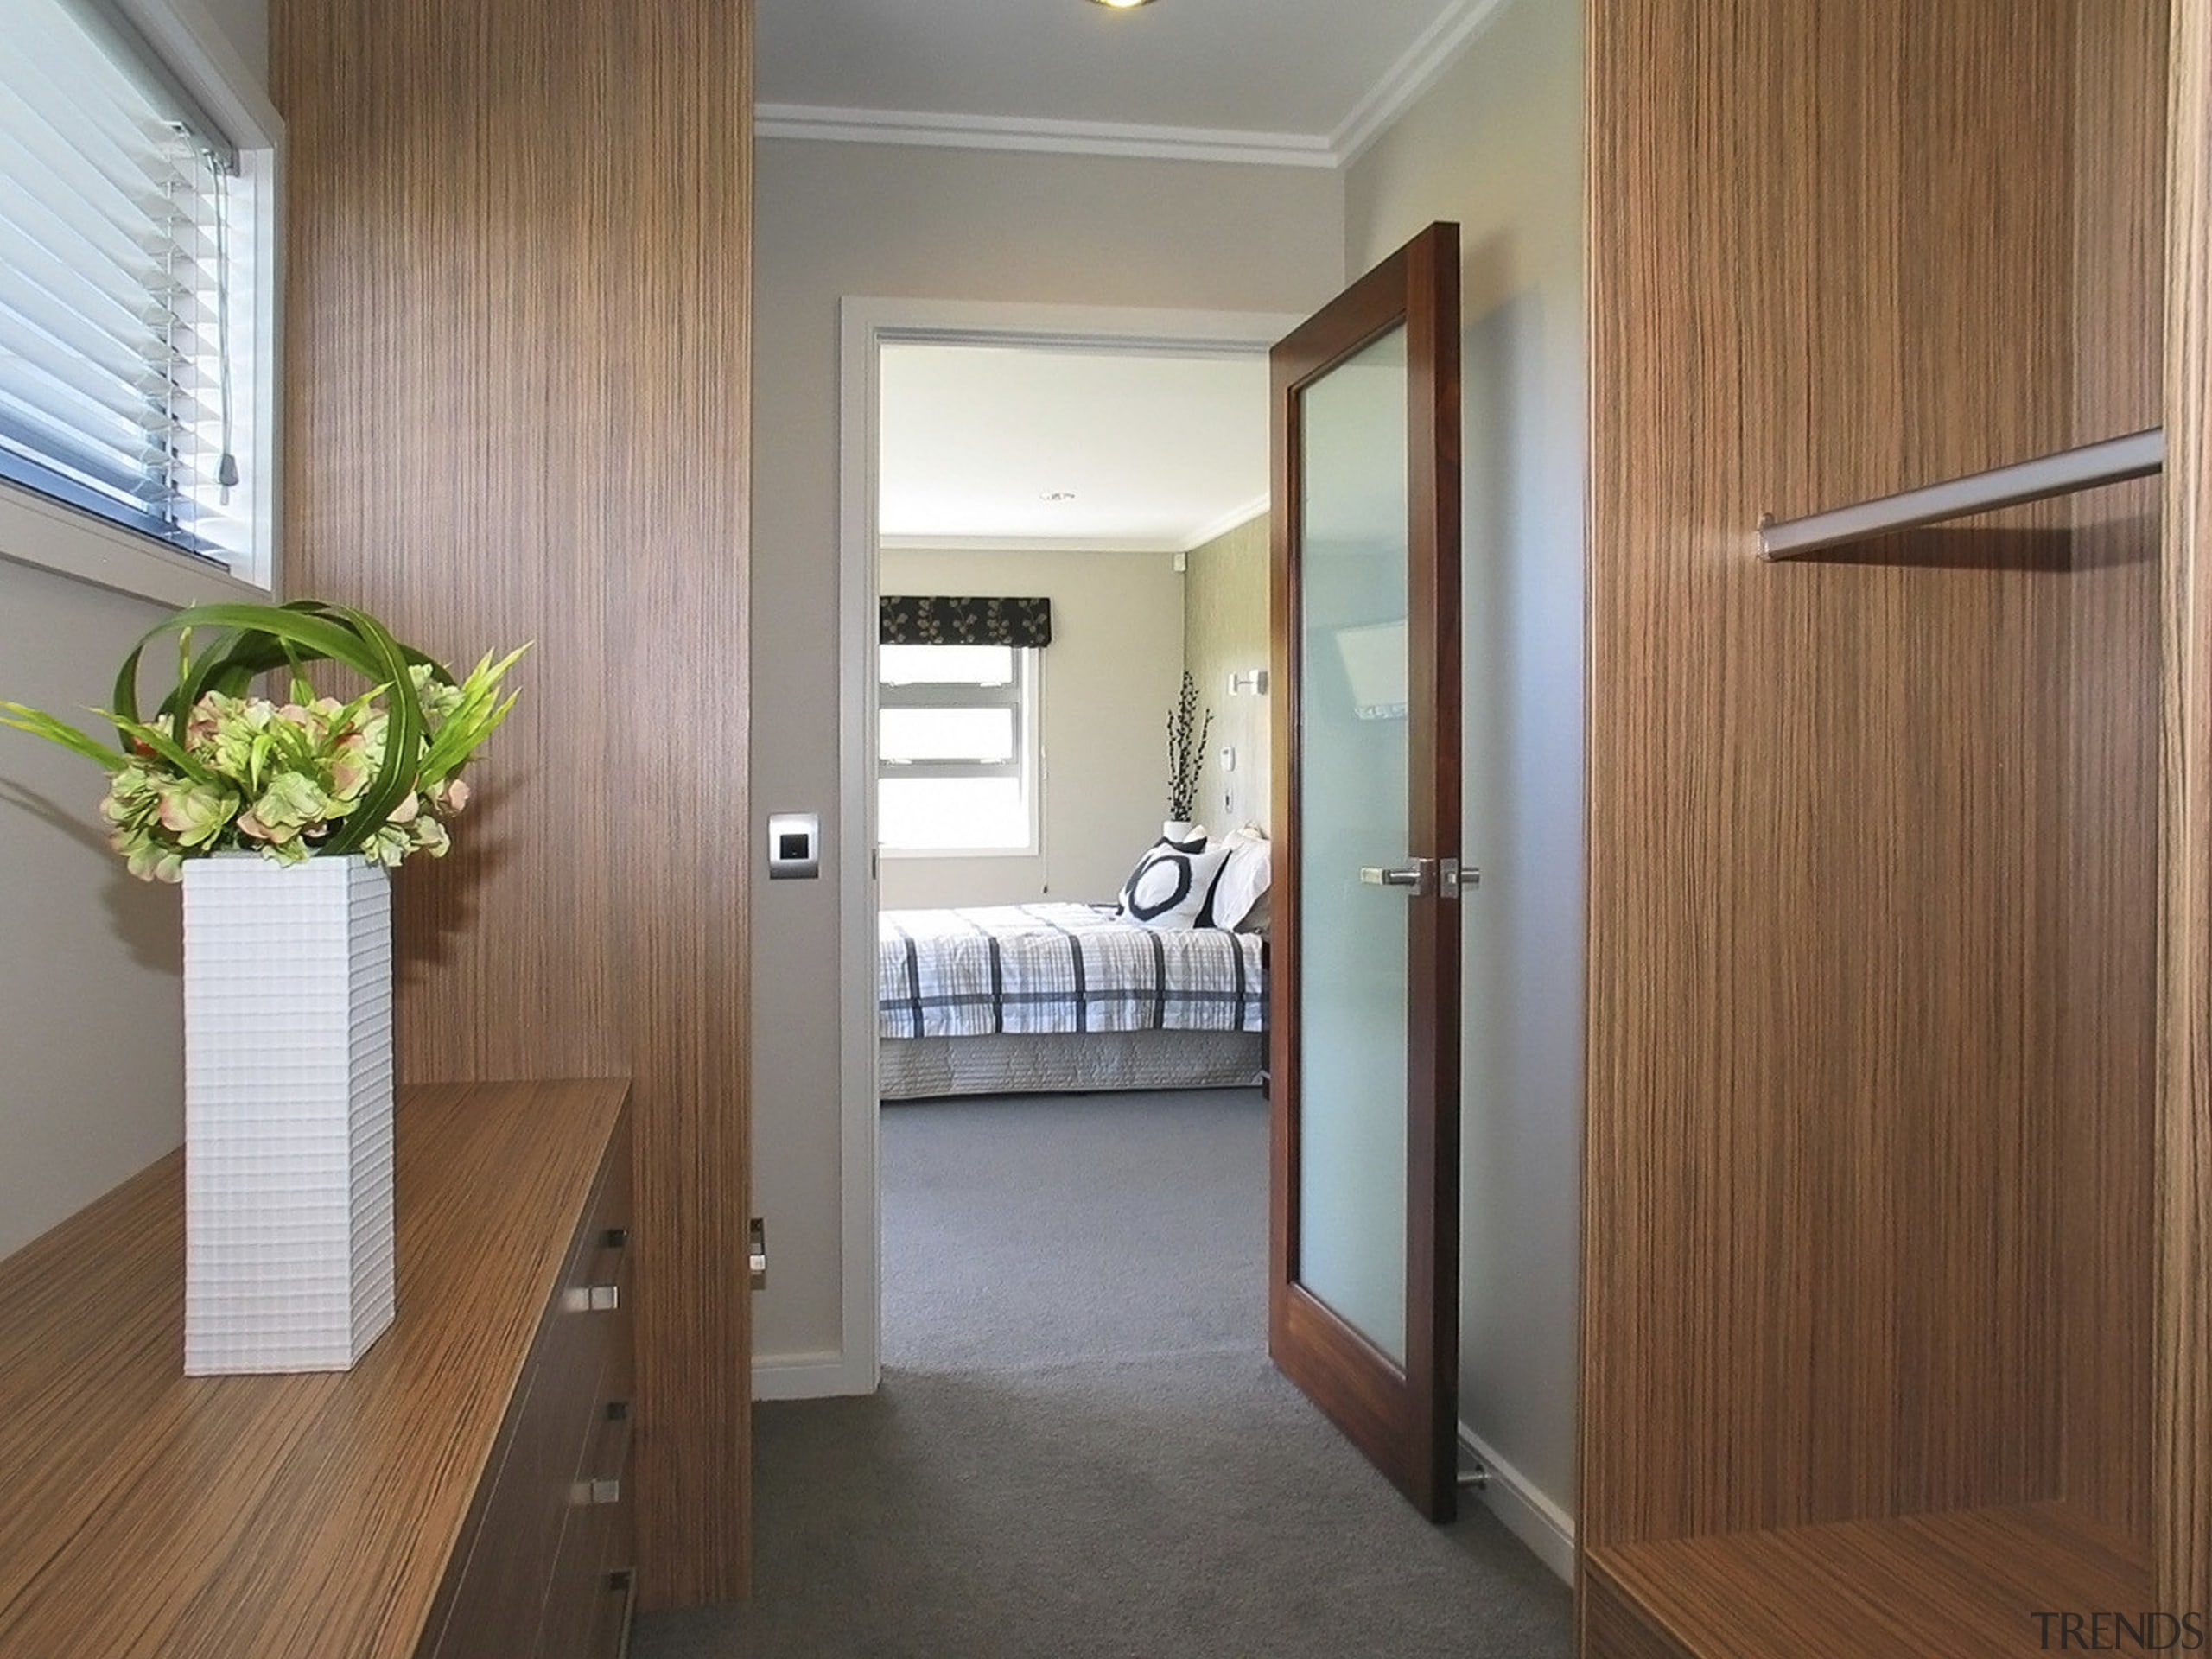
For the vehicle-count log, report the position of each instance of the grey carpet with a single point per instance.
(1080, 1447)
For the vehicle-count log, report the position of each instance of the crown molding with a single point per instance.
(1424, 63)
(935, 131)
(948, 544)
(1189, 543)
(1439, 44)
(1236, 517)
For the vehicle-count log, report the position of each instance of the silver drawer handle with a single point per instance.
(587, 1494)
(591, 1299)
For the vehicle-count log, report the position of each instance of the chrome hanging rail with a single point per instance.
(2114, 460)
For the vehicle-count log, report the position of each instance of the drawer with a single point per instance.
(591, 1582)
(507, 1567)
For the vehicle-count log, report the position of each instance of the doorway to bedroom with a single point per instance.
(1068, 737)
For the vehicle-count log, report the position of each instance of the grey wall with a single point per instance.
(1105, 684)
(1497, 145)
(92, 1017)
(92, 1022)
(244, 23)
(860, 219)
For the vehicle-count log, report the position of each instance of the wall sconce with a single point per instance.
(1252, 680)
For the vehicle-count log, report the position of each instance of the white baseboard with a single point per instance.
(1528, 1514)
(806, 1377)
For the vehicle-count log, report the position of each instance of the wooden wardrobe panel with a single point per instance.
(2183, 1497)
(1615, 1627)
(1832, 257)
(2111, 811)
(518, 399)
(1961, 1585)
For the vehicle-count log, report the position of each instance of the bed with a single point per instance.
(1031, 998)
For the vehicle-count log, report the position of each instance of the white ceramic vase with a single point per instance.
(1180, 830)
(288, 1113)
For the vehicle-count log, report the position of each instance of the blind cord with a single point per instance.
(226, 470)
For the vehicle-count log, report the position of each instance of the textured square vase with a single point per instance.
(288, 1113)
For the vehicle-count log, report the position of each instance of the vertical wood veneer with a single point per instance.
(1827, 264)
(518, 391)
(2110, 812)
(1874, 1151)
(2183, 1423)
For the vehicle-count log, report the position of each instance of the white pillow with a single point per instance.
(1244, 881)
(1170, 885)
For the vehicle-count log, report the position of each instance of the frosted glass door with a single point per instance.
(1352, 816)
(1363, 987)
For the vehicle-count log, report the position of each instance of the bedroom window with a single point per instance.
(957, 751)
(134, 313)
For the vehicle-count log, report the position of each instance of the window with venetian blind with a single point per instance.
(127, 361)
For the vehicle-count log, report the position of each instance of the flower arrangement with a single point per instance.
(218, 769)
(1186, 749)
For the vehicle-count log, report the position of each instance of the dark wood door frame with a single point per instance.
(1405, 1420)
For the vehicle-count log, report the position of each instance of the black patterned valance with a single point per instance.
(910, 620)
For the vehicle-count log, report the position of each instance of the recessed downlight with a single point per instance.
(1120, 5)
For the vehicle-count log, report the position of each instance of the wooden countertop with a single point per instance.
(278, 1518)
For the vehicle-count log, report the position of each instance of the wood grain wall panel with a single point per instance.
(2111, 811)
(1832, 257)
(2183, 1494)
(517, 383)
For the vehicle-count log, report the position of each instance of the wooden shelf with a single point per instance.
(1964, 1584)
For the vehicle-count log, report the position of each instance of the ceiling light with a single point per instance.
(1122, 5)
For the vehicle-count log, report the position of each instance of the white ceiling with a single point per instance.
(1158, 453)
(1303, 81)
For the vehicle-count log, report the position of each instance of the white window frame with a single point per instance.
(47, 535)
(1027, 699)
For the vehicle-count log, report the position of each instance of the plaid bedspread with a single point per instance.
(1053, 968)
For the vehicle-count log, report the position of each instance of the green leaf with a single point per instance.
(476, 718)
(40, 724)
(237, 643)
(396, 777)
(166, 747)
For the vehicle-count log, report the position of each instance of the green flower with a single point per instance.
(218, 768)
(389, 847)
(195, 813)
(151, 862)
(134, 797)
(292, 803)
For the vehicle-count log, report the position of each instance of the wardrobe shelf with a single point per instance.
(1967, 1583)
(2114, 460)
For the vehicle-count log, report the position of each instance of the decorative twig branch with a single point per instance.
(1187, 731)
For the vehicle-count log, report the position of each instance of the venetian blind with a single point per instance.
(115, 362)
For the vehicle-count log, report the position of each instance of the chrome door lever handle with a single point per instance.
(1424, 878)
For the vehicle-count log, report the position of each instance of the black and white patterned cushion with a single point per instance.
(1170, 884)
(1241, 887)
